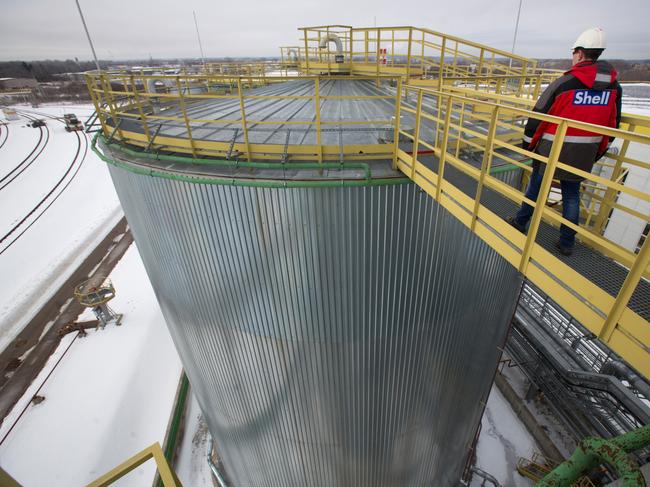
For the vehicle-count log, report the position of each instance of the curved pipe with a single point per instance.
(331, 38)
(151, 84)
(620, 370)
(593, 451)
(485, 476)
(215, 471)
(293, 58)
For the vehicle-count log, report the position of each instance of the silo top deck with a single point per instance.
(278, 120)
(288, 110)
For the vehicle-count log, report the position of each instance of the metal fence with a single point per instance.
(449, 124)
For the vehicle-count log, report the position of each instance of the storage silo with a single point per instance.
(338, 326)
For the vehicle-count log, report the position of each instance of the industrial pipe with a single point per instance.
(332, 38)
(229, 181)
(620, 370)
(295, 56)
(338, 57)
(593, 451)
(215, 471)
(485, 476)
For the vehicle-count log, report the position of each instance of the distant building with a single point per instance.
(14, 83)
(78, 77)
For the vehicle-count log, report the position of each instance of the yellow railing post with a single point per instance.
(499, 86)
(608, 199)
(317, 109)
(366, 47)
(378, 54)
(242, 108)
(143, 117)
(167, 475)
(422, 50)
(398, 104)
(524, 71)
(304, 31)
(443, 147)
(181, 101)
(455, 63)
(91, 81)
(112, 107)
(461, 123)
(416, 133)
(479, 69)
(485, 164)
(543, 194)
(408, 56)
(351, 50)
(443, 50)
(538, 86)
(627, 289)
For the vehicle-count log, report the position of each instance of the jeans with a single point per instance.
(570, 206)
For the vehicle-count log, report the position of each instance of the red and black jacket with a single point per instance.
(588, 92)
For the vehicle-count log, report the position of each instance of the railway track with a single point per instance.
(4, 133)
(24, 358)
(43, 139)
(8, 238)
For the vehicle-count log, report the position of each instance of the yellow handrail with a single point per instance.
(456, 117)
(167, 474)
(147, 101)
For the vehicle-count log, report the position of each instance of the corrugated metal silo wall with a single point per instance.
(333, 337)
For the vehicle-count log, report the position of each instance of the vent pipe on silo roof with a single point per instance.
(338, 57)
(332, 38)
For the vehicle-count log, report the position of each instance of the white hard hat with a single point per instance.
(593, 38)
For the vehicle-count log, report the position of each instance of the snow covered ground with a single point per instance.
(192, 464)
(42, 258)
(110, 396)
(636, 98)
(504, 439)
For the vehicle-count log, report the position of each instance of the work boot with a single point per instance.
(513, 222)
(567, 251)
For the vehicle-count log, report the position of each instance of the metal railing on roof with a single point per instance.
(133, 108)
(449, 124)
(415, 53)
(458, 131)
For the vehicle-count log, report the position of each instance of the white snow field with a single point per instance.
(110, 396)
(71, 225)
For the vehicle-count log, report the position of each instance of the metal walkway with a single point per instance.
(459, 138)
(598, 268)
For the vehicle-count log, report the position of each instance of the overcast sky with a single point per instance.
(136, 29)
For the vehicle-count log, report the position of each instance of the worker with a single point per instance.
(588, 92)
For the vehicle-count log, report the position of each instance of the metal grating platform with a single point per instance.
(288, 113)
(599, 269)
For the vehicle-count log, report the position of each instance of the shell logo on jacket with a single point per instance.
(588, 92)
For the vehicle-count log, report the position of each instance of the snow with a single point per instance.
(192, 462)
(636, 98)
(110, 396)
(35, 266)
(503, 440)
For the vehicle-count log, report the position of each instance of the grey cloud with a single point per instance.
(121, 29)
